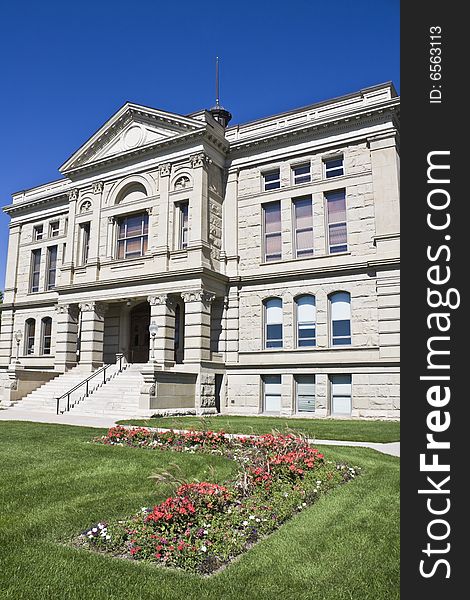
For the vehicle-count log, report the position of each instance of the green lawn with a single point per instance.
(55, 483)
(321, 429)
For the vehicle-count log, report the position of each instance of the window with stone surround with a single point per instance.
(333, 167)
(303, 226)
(30, 332)
(304, 393)
(51, 271)
(336, 216)
(340, 394)
(35, 270)
(132, 239)
(46, 335)
(271, 393)
(306, 321)
(301, 173)
(84, 242)
(272, 231)
(273, 323)
(271, 180)
(340, 314)
(38, 233)
(182, 217)
(53, 228)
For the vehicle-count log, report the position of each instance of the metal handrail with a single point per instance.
(86, 381)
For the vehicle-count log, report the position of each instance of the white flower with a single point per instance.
(229, 511)
(257, 520)
(304, 504)
(245, 523)
(251, 517)
(285, 494)
(108, 537)
(203, 549)
(205, 532)
(94, 529)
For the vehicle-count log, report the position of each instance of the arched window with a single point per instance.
(29, 336)
(46, 335)
(273, 320)
(306, 321)
(340, 312)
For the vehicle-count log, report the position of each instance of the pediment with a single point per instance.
(132, 128)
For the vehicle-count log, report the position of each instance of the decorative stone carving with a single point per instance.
(198, 296)
(182, 182)
(96, 307)
(149, 210)
(63, 309)
(111, 220)
(164, 169)
(73, 195)
(86, 206)
(161, 299)
(199, 160)
(98, 187)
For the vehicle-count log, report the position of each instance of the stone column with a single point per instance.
(199, 210)
(12, 263)
(7, 350)
(66, 269)
(197, 326)
(232, 331)
(386, 182)
(110, 237)
(230, 224)
(92, 334)
(66, 336)
(158, 238)
(162, 313)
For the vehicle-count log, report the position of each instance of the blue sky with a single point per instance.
(65, 68)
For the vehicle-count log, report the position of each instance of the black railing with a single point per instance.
(86, 383)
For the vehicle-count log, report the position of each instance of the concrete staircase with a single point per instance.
(118, 396)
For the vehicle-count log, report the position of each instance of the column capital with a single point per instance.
(97, 307)
(164, 169)
(73, 195)
(198, 296)
(97, 187)
(161, 299)
(70, 309)
(199, 160)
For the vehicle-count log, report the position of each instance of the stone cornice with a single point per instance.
(342, 121)
(10, 209)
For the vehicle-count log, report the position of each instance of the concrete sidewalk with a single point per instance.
(392, 448)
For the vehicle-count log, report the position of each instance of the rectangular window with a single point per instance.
(334, 167)
(38, 233)
(303, 227)
(51, 267)
(305, 393)
(341, 394)
(336, 214)
(35, 270)
(272, 231)
(271, 393)
(132, 236)
(84, 242)
(301, 173)
(272, 180)
(53, 228)
(183, 214)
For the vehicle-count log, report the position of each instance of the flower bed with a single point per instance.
(204, 525)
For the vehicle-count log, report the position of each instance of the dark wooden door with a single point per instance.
(140, 337)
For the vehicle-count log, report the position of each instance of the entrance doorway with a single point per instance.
(140, 337)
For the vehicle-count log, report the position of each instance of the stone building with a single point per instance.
(267, 254)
